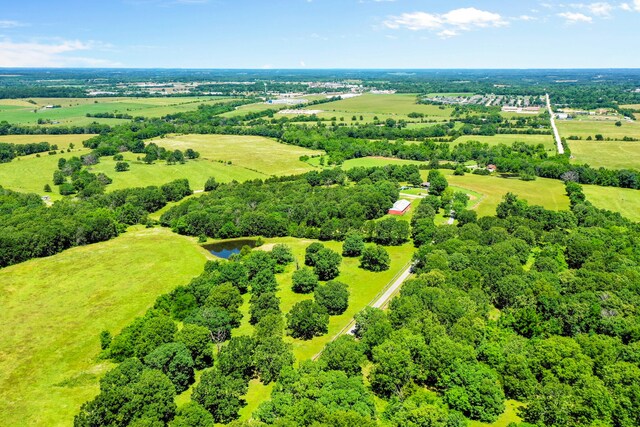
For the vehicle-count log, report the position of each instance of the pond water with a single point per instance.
(229, 247)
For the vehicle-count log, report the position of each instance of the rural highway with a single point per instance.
(556, 134)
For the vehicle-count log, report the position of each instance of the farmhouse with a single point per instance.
(400, 207)
(492, 168)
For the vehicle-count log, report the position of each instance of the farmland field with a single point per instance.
(369, 162)
(396, 104)
(263, 155)
(623, 200)
(548, 193)
(62, 141)
(53, 310)
(547, 140)
(608, 154)
(73, 111)
(607, 129)
(251, 157)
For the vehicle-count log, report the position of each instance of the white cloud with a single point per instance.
(447, 24)
(302, 64)
(602, 9)
(575, 17)
(5, 23)
(526, 18)
(634, 6)
(53, 54)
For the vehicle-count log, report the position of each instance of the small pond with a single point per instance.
(229, 247)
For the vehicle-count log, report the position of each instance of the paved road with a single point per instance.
(556, 134)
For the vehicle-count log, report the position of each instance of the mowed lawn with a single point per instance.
(607, 129)
(73, 111)
(547, 140)
(623, 200)
(53, 310)
(369, 162)
(548, 193)
(608, 154)
(255, 153)
(394, 104)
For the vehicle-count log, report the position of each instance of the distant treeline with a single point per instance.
(30, 229)
(9, 151)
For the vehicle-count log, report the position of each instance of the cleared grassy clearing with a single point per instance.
(251, 157)
(369, 162)
(263, 155)
(608, 154)
(74, 110)
(53, 310)
(62, 141)
(510, 415)
(548, 193)
(395, 104)
(607, 129)
(547, 140)
(623, 200)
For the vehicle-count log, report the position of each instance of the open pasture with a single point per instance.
(73, 111)
(607, 129)
(62, 141)
(548, 193)
(255, 153)
(626, 201)
(369, 162)
(398, 105)
(53, 310)
(608, 154)
(508, 139)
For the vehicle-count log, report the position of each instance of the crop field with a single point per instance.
(623, 200)
(53, 310)
(608, 154)
(547, 140)
(548, 193)
(607, 129)
(73, 111)
(256, 153)
(62, 141)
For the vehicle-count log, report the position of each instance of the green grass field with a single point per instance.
(369, 162)
(607, 129)
(74, 110)
(395, 104)
(54, 308)
(263, 155)
(62, 141)
(608, 154)
(547, 140)
(251, 157)
(510, 415)
(548, 193)
(623, 200)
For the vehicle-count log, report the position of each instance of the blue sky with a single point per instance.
(320, 34)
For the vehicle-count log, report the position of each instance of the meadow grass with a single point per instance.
(53, 310)
(74, 110)
(510, 415)
(393, 104)
(607, 129)
(547, 140)
(623, 200)
(369, 162)
(608, 154)
(548, 193)
(62, 141)
(257, 153)
(251, 157)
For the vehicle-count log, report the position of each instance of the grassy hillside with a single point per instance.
(623, 200)
(53, 310)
